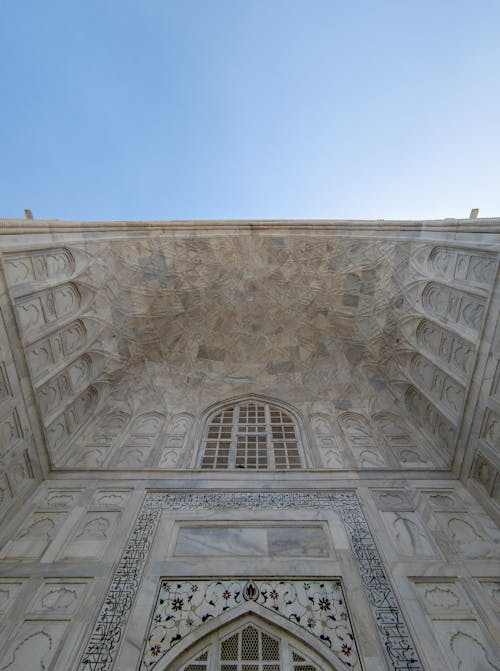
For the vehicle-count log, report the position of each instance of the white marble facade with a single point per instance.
(151, 521)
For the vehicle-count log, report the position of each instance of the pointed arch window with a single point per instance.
(252, 435)
(251, 649)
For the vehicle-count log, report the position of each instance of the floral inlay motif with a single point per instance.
(316, 605)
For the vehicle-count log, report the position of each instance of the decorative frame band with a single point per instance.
(102, 646)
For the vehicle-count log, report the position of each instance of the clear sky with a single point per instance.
(206, 109)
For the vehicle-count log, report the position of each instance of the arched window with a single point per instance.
(251, 648)
(253, 435)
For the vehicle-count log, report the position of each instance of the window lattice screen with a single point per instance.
(251, 435)
(250, 649)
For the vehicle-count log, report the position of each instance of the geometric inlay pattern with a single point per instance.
(316, 605)
(102, 645)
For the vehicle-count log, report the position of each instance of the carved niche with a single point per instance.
(52, 351)
(70, 421)
(96, 444)
(429, 419)
(362, 441)
(402, 445)
(39, 266)
(449, 305)
(41, 310)
(453, 263)
(444, 389)
(449, 348)
(141, 439)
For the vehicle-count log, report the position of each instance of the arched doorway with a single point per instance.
(252, 643)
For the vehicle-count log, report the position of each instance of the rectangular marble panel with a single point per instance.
(35, 535)
(58, 598)
(284, 541)
(92, 535)
(34, 646)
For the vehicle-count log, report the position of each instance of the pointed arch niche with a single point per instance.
(250, 640)
(253, 433)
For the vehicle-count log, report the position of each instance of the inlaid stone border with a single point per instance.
(102, 646)
(316, 606)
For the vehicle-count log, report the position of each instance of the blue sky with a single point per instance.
(206, 109)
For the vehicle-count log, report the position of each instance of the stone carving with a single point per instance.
(47, 353)
(34, 537)
(458, 264)
(394, 500)
(97, 442)
(449, 348)
(468, 541)
(492, 590)
(9, 590)
(39, 266)
(396, 435)
(437, 384)
(100, 651)
(5, 388)
(169, 458)
(41, 310)
(56, 391)
(332, 458)
(484, 472)
(469, 653)
(34, 646)
(61, 498)
(409, 534)
(10, 431)
(60, 598)
(318, 606)
(361, 439)
(71, 420)
(430, 419)
(112, 497)
(491, 429)
(92, 535)
(456, 626)
(441, 597)
(141, 439)
(96, 528)
(449, 305)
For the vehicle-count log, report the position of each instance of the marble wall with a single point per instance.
(117, 343)
(436, 547)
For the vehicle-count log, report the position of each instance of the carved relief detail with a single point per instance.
(484, 473)
(450, 349)
(316, 605)
(454, 263)
(399, 440)
(10, 431)
(54, 392)
(456, 626)
(96, 444)
(40, 266)
(41, 310)
(35, 535)
(438, 385)
(450, 305)
(73, 417)
(49, 352)
(362, 440)
(491, 429)
(467, 539)
(142, 437)
(332, 455)
(101, 647)
(409, 534)
(430, 419)
(34, 646)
